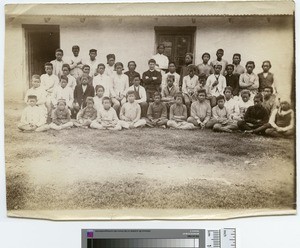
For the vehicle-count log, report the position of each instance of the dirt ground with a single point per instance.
(145, 168)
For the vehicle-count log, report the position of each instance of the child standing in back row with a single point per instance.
(58, 62)
(249, 80)
(76, 63)
(266, 78)
(48, 82)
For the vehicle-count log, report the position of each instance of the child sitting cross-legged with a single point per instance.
(33, 117)
(61, 116)
(221, 120)
(157, 112)
(107, 117)
(86, 115)
(130, 114)
(178, 114)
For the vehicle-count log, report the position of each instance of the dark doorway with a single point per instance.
(177, 40)
(41, 43)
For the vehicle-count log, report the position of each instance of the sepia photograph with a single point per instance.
(174, 110)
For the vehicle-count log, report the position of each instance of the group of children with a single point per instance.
(217, 95)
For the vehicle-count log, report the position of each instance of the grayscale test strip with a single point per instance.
(158, 238)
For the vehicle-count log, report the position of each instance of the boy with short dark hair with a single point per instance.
(140, 95)
(255, 116)
(231, 104)
(281, 122)
(81, 92)
(219, 60)
(130, 114)
(169, 91)
(48, 82)
(157, 112)
(232, 79)
(189, 84)
(38, 91)
(151, 80)
(85, 72)
(243, 104)
(76, 63)
(63, 92)
(172, 71)
(215, 84)
(131, 73)
(33, 117)
(221, 121)
(92, 62)
(188, 60)
(162, 60)
(86, 115)
(103, 79)
(107, 117)
(249, 80)
(58, 62)
(66, 72)
(61, 117)
(178, 114)
(98, 99)
(266, 78)
(200, 111)
(270, 100)
(120, 86)
(204, 67)
(236, 60)
(110, 68)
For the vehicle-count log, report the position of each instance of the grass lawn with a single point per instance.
(145, 168)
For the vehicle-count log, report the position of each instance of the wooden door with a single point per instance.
(41, 43)
(177, 43)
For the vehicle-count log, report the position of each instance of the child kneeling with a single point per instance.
(130, 113)
(61, 116)
(107, 117)
(86, 115)
(33, 117)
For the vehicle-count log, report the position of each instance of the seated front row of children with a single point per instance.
(220, 118)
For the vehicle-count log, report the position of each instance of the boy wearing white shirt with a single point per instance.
(162, 60)
(216, 84)
(58, 62)
(172, 71)
(48, 82)
(71, 80)
(76, 63)
(92, 62)
(120, 86)
(107, 117)
(189, 84)
(100, 90)
(103, 79)
(63, 92)
(231, 103)
(110, 69)
(140, 95)
(33, 117)
(36, 90)
(249, 80)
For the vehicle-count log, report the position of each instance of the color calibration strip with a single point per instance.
(158, 238)
(145, 243)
